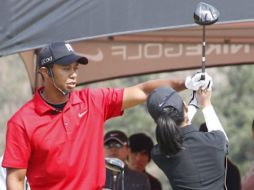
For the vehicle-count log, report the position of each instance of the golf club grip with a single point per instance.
(202, 77)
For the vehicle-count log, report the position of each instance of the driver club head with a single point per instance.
(205, 14)
(114, 164)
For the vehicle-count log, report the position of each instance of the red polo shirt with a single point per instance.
(62, 150)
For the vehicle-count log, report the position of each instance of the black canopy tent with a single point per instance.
(128, 37)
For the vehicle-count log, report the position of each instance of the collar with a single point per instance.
(187, 129)
(41, 106)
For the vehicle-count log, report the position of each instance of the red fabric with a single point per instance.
(63, 150)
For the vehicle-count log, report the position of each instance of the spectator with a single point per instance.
(117, 146)
(140, 155)
(248, 179)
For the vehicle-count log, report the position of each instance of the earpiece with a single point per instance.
(50, 74)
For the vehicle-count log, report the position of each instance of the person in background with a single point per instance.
(117, 146)
(233, 176)
(248, 179)
(190, 159)
(140, 155)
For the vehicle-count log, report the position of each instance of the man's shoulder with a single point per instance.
(99, 93)
(93, 91)
(90, 89)
(214, 139)
(24, 110)
(214, 135)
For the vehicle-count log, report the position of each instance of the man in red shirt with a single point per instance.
(56, 138)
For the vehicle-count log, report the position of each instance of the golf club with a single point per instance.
(205, 14)
(116, 166)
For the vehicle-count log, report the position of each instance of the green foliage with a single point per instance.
(234, 102)
(14, 92)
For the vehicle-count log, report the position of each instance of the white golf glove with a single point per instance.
(194, 101)
(195, 82)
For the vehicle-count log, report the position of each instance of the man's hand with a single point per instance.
(195, 83)
(204, 98)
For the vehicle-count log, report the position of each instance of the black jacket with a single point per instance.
(133, 180)
(200, 165)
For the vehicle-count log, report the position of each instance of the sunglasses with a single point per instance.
(113, 145)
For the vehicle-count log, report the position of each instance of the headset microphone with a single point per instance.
(50, 74)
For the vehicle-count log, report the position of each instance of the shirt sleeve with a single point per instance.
(17, 150)
(191, 112)
(212, 121)
(109, 100)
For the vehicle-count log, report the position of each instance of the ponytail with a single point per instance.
(167, 131)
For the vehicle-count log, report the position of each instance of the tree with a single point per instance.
(234, 103)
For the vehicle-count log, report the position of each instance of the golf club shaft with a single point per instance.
(203, 54)
(205, 14)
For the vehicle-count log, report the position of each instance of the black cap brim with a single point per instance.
(71, 59)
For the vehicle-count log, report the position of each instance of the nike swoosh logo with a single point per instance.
(161, 104)
(94, 57)
(81, 114)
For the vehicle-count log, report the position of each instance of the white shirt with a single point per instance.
(2, 175)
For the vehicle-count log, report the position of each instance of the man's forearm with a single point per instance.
(14, 184)
(138, 94)
(177, 84)
(15, 179)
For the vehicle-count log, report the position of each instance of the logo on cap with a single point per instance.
(46, 60)
(113, 134)
(68, 46)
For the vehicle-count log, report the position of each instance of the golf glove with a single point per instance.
(194, 101)
(195, 83)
